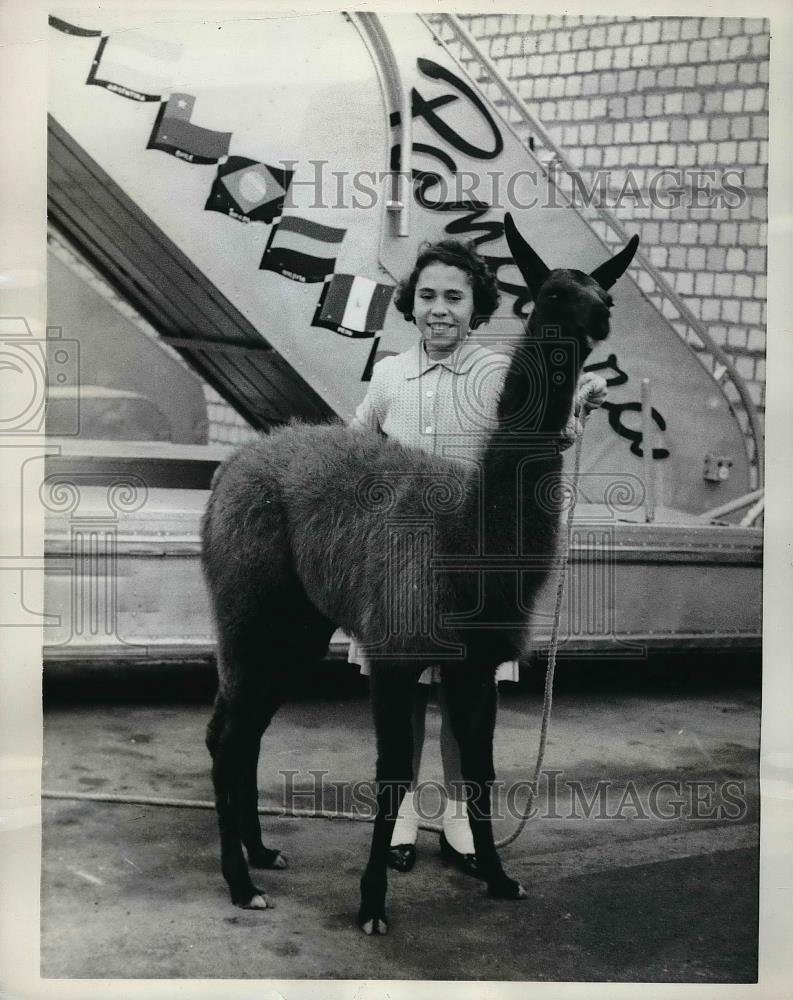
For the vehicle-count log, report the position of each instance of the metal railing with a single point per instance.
(397, 97)
(448, 29)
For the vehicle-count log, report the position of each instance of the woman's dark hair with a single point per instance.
(455, 253)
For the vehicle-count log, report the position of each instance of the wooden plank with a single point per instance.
(256, 408)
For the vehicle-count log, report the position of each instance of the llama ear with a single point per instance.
(529, 263)
(607, 273)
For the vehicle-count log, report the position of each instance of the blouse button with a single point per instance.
(430, 392)
(428, 430)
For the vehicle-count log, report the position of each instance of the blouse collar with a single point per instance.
(459, 362)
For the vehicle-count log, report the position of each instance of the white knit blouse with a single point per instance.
(444, 407)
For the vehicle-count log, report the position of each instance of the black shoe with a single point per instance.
(402, 857)
(465, 862)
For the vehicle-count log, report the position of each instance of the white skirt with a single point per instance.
(509, 671)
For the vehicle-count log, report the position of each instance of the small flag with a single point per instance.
(352, 305)
(134, 66)
(249, 191)
(287, 249)
(174, 133)
(375, 355)
(72, 29)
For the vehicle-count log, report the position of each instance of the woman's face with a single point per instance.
(443, 305)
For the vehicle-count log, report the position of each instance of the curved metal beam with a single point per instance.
(398, 99)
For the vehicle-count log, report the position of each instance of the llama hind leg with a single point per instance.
(471, 696)
(393, 688)
(307, 642)
(234, 744)
(233, 737)
(259, 856)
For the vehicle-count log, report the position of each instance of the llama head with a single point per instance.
(565, 299)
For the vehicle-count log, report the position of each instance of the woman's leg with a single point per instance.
(406, 826)
(419, 727)
(471, 695)
(455, 818)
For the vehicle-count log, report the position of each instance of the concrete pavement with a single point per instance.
(641, 865)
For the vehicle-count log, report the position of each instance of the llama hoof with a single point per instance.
(266, 857)
(373, 925)
(507, 888)
(371, 912)
(258, 901)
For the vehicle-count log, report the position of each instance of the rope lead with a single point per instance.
(547, 700)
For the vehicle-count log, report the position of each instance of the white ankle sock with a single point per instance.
(457, 828)
(406, 827)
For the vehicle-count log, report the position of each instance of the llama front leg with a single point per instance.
(471, 696)
(393, 689)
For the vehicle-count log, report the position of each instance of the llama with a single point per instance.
(295, 545)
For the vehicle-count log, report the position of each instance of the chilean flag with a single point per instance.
(174, 133)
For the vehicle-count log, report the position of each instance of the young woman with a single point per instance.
(441, 396)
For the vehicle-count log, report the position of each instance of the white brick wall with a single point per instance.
(226, 426)
(638, 94)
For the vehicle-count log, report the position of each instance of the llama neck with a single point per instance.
(540, 384)
(535, 405)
